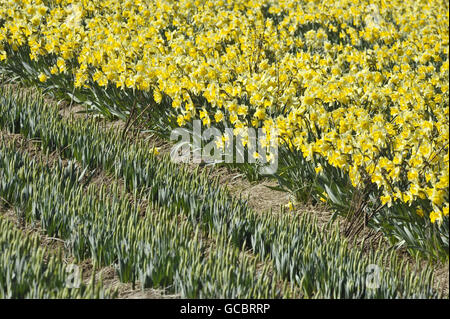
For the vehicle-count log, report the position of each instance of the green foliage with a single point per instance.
(29, 271)
(399, 223)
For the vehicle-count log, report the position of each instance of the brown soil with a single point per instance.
(124, 290)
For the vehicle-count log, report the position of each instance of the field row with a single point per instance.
(29, 271)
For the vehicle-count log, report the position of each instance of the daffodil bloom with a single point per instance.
(42, 77)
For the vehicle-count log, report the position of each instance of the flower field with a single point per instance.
(156, 227)
(356, 93)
